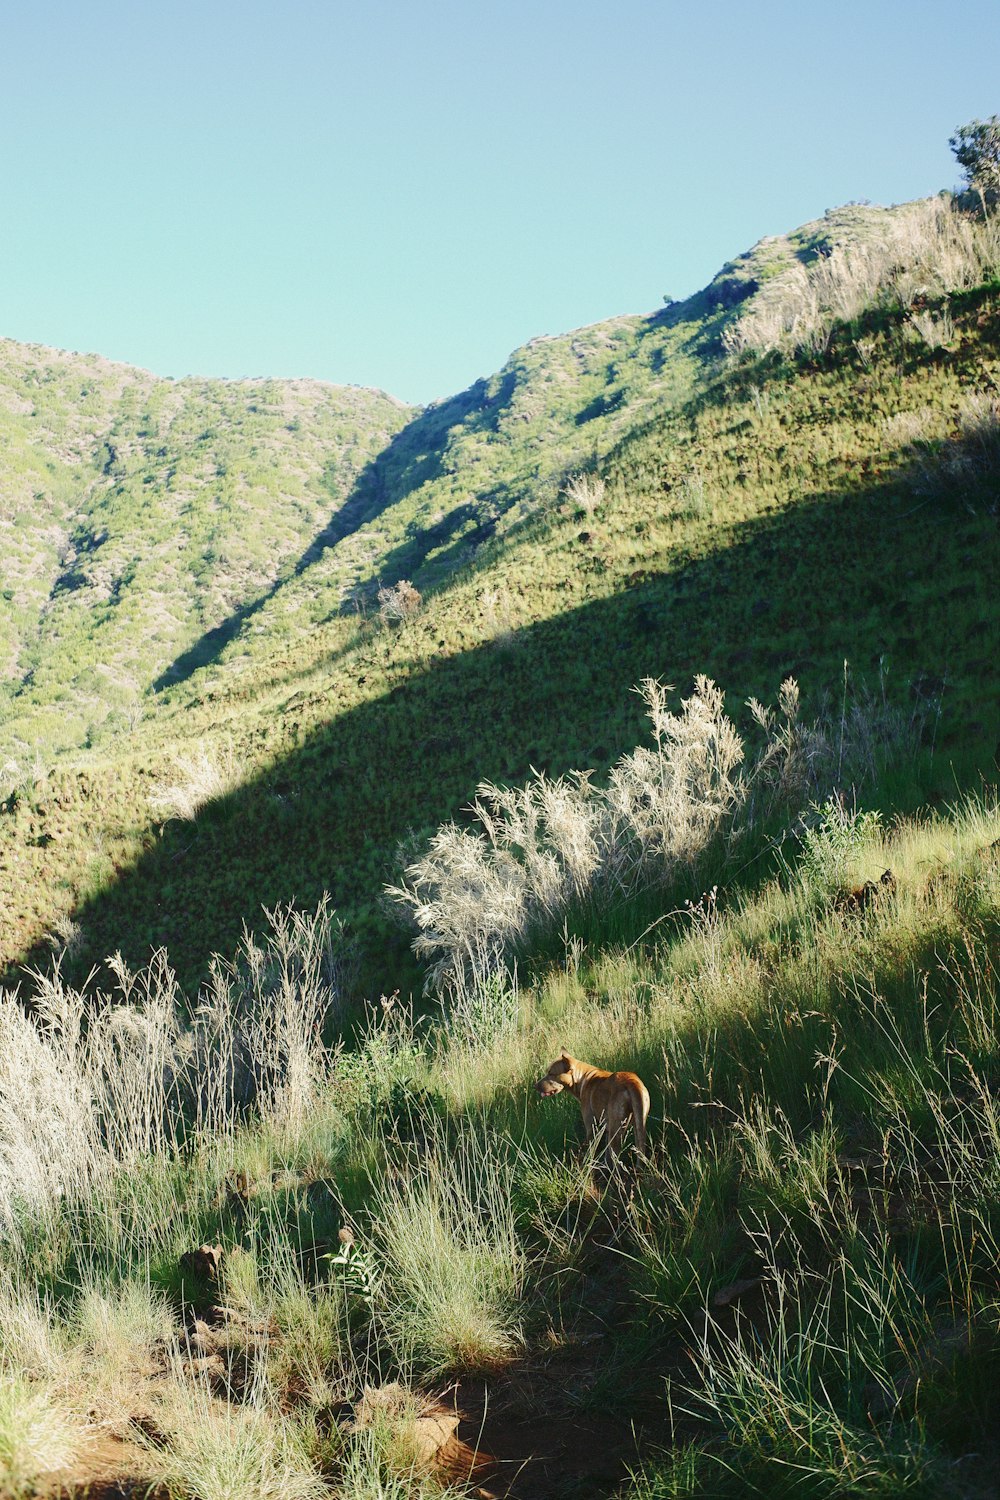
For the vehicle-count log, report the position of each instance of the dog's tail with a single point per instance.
(639, 1099)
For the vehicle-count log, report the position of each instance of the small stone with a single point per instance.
(738, 1289)
(203, 1263)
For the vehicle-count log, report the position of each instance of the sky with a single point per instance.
(398, 194)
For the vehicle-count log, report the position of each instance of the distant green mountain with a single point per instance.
(794, 467)
(140, 513)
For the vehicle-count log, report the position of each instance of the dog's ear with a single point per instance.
(564, 1055)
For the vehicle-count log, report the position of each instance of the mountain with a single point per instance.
(140, 512)
(209, 710)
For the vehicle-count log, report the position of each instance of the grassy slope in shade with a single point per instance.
(781, 518)
(797, 1295)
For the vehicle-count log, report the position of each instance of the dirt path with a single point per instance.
(108, 1469)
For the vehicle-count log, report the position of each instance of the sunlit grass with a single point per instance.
(219, 1451)
(453, 1263)
(38, 1435)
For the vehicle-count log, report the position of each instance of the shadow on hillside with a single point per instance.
(908, 592)
(418, 455)
(413, 457)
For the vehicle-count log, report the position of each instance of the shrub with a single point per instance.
(832, 843)
(546, 849)
(977, 151)
(399, 601)
(585, 491)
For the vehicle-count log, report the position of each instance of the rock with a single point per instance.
(202, 1338)
(203, 1263)
(430, 1434)
(427, 1432)
(727, 1294)
(205, 1367)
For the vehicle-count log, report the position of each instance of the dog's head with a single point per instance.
(558, 1077)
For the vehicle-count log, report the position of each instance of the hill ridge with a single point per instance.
(613, 503)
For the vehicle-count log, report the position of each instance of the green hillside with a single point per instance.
(313, 698)
(780, 514)
(140, 513)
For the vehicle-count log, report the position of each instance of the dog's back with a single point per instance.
(607, 1100)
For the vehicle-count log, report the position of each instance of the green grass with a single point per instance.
(38, 1436)
(334, 770)
(799, 1284)
(454, 1268)
(796, 1292)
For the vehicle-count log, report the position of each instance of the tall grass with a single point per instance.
(968, 463)
(808, 1261)
(227, 1452)
(835, 1266)
(550, 846)
(544, 851)
(37, 1436)
(92, 1083)
(195, 778)
(924, 249)
(454, 1266)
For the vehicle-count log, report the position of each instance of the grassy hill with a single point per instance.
(427, 1288)
(328, 620)
(780, 515)
(138, 513)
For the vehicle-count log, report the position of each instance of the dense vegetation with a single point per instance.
(795, 1294)
(792, 515)
(267, 642)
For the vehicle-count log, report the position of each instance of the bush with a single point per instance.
(550, 848)
(399, 602)
(977, 151)
(832, 844)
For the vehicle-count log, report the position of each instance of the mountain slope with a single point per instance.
(750, 520)
(141, 511)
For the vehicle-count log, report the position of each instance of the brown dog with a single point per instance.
(606, 1099)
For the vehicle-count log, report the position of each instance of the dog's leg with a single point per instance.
(615, 1127)
(590, 1123)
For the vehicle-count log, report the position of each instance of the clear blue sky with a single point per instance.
(391, 193)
